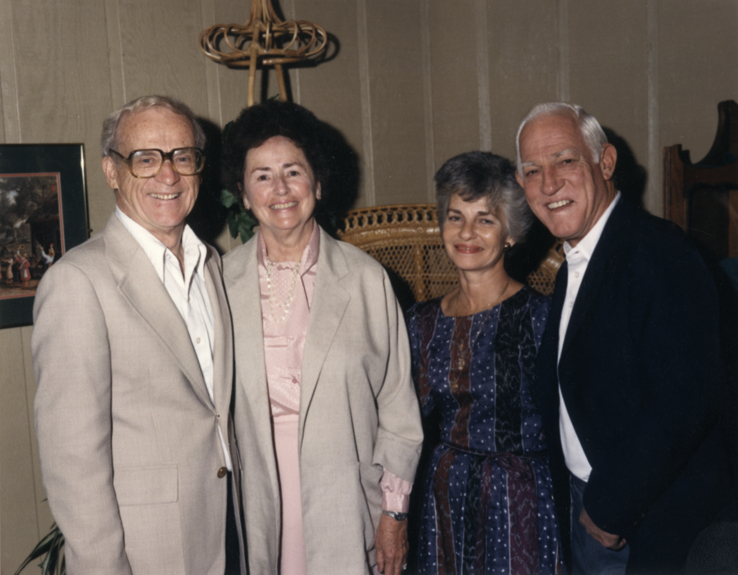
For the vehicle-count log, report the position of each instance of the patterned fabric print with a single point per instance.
(487, 505)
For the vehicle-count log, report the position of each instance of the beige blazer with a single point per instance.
(358, 410)
(128, 435)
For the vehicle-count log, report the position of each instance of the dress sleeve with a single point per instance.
(417, 321)
(395, 493)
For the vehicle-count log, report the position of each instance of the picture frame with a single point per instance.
(43, 214)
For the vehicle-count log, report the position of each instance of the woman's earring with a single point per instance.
(508, 245)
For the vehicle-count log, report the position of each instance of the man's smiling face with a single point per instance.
(565, 187)
(159, 204)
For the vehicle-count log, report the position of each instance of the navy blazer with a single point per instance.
(639, 372)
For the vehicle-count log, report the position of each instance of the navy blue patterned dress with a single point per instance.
(487, 494)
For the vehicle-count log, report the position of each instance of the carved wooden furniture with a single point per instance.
(702, 197)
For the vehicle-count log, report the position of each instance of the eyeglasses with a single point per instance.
(148, 163)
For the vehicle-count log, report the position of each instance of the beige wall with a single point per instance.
(414, 82)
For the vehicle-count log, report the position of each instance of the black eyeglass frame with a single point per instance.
(164, 157)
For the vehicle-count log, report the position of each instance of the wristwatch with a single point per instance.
(395, 515)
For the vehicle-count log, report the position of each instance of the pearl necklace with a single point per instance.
(285, 306)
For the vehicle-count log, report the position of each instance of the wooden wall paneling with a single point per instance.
(18, 503)
(232, 83)
(333, 89)
(454, 82)
(160, 51)
(225, 88)
(698, 68)
(10, 122)
(482, 43)
(524, 65)
(396, 83)
(43, 513)
(609, 73)
(63, 81)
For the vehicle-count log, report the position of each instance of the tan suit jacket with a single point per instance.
(128, 435)
(358, 409)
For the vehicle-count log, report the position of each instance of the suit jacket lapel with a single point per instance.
(245, 302)
(547, 381)
(329, 304)
(223, 349)
(612, 235)
(140, 285)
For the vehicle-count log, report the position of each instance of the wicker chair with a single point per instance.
(406, 240)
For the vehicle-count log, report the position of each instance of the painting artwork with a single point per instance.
(43, 213)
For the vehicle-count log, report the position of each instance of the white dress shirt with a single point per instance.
(188, 292)
(577, 260)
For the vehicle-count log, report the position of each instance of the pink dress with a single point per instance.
(285, 330)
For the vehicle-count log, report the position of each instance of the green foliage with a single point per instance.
(240, 222)
(51, 548)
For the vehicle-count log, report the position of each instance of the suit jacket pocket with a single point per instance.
(146, 485)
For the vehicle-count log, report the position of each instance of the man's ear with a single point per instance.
(608, 159)
(317, 192)
(111, 172)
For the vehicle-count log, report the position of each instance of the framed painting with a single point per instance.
(43, 213)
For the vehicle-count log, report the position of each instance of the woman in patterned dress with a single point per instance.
(487, 496)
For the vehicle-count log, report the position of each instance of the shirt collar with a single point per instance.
(193, 248)
(585, 248)
(309, 254)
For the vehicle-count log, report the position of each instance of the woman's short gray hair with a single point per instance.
(592, 133)
(109, 137)
(482, 175)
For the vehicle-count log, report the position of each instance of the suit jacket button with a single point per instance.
(222, 472)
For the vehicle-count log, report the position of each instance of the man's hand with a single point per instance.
(391, 545)
(614, 542)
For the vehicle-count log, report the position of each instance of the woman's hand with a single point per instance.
(391, 545)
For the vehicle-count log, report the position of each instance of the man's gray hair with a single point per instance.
(592, 133)
(109, 137)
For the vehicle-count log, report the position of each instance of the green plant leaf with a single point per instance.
(227, 198)
(51, 548)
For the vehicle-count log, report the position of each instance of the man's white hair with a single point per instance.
(592, 133)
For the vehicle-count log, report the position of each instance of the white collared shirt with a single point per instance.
(577, 260)
(188, 292)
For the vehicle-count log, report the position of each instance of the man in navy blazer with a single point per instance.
(629, 367)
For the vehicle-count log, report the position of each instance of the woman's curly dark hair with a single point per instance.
(257, 124)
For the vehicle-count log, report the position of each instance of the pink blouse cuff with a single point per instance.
(395, 493)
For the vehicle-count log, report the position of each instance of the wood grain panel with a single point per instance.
(160, 52)
(10, 124)
(18, 519)
(524, 65)
(609, 74)
(395, 71)
(698, 69)
(332, 89)
(454, 83)
(63, 81)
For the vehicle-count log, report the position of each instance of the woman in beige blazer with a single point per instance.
(325, 412)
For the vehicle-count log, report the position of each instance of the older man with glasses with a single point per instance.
(133, 358)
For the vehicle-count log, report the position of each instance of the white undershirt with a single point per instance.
(577, 260)
(188, 292)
